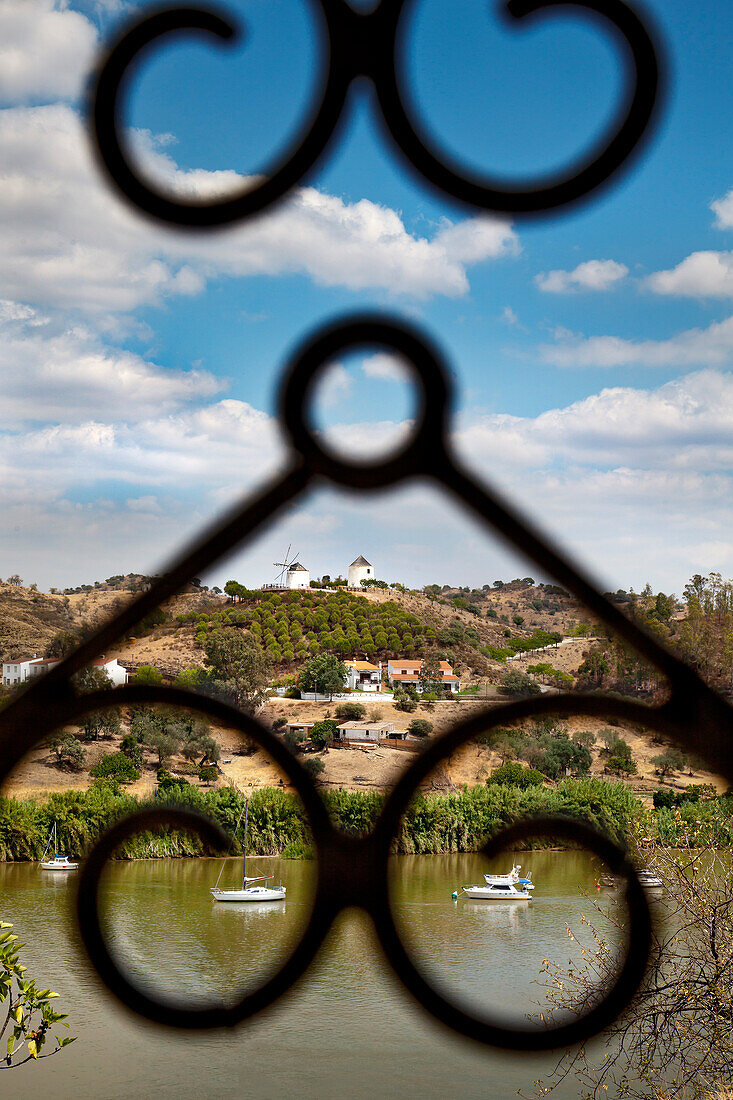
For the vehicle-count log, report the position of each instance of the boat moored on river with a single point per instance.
(499, 888)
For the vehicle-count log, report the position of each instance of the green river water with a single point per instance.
(348, 1029)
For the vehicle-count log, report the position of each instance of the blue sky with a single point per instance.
(592, 350)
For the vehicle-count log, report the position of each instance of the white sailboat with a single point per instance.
(59, 862)
(248, 891)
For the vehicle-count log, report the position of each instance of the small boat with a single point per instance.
(649, 878)
(499, 888)
(247, 891)
(59, 862)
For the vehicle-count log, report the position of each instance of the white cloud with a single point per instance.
(700, 275)
(390, 368)
(638, 482)
(723, 210)
(46, 50)
(59, 372)
(591, 275)
(69, 242)
(509, 317)
(712, 346)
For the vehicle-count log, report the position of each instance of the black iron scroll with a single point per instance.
(373, 44)
(354, 872)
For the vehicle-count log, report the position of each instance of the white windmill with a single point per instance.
(292, 574)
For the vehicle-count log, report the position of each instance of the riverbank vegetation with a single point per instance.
(434, 823)
(675, 1039)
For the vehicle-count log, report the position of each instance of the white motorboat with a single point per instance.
(247, 891)
(499, 888)
(59, 861)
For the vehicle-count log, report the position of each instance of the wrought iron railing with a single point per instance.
(351, 871)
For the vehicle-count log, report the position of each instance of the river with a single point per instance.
(349, 1029)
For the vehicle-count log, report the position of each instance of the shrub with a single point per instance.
(350, 712)
(515, 775)
(208, 773)
(294, 740)
(420, 727)
(279, 723)
(116, 765)
(518, 685)
(314, 766)
(292, 693)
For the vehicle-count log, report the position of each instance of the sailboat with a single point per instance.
(59, 862)
(248, 891)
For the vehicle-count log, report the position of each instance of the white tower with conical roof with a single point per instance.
(297, 576)
(360, 570)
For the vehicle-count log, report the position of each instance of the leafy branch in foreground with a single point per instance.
(676, 1037)
(29, 1016)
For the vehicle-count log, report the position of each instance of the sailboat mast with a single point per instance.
(246, 814)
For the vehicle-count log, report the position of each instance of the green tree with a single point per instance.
(239, 670)
(323, 674)
(116, 765)
(324, 733)
(518, 685)
(30, 1016)
(672, 760)
(148, 674)
(70, 752)
(420, 727)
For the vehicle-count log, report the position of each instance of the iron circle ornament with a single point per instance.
(633, 118)
(432, 384)
(351, 871)
(338, 886)
(373, 44)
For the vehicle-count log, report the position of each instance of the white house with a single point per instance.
(360, 570)
(400, 672)
(25, 669)
(116, 672)
(297, 576)
(363, 676)
(372, 732)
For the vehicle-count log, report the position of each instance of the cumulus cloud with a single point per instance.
(390, 368)
(591, 275)
(700, 275)
(723, 210)
(69, 242)
(711, 346)
(59, 372)
(46, 50)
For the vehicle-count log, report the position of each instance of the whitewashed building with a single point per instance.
(371, 732)
(401, 672)
(360, 570)
(22, 670)
(363, 676)
(297, 576)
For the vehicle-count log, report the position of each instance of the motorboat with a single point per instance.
(499, 888)
(59, 862)
(248, 892)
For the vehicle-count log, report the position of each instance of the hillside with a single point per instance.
(482, 632)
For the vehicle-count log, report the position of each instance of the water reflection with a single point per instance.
(487, 956)
(164, 927)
